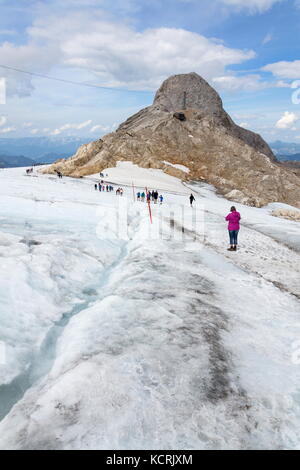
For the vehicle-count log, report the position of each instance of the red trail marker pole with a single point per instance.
(149, 207)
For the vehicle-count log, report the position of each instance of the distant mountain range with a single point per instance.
(27, 151)
(286, 150)
(14, 161)
(291, 158)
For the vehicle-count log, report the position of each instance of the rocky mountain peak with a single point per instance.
(188, 91)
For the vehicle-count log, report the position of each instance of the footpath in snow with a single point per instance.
(118, 334)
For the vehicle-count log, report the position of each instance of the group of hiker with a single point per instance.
(103, 187)
(141, 196)
(29, 171)
(150, 196)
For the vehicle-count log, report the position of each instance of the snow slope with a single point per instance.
(126, 173)
(119, 334)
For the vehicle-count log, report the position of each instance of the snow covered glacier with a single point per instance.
(115, 334)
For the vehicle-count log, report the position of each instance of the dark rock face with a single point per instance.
(180, 116)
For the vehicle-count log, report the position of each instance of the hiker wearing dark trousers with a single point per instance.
(96, 187)
(192, 199)
(233, 219)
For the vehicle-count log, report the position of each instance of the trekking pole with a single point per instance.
(133, 192)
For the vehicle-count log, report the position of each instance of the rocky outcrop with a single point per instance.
(289, 214)
(187, 125)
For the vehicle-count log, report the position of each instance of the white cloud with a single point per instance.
(254, 82)
(56, 132)
(287, 120)
(30, 57)
(244, 124)
(34, 131)
(233, 83)
(68, 126)
(284, 69)
(120, 56)
(254, 6)
(6, 130)
(83, 124)
(113, 54)
(99, 127)
(26, 125)
(3, 120)
(268, 38)
(2, 90)
(282, 84)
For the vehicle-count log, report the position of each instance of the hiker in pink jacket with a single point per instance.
(233, 227)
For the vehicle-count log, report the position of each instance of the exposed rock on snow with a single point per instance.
(178, 167)
(241, 197)
(222, 153)
(289, 214)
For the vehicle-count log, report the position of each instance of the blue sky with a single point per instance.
(247, 50)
